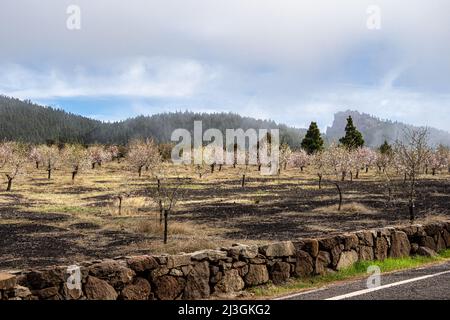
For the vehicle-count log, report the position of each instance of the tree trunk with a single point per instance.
(259, 167)
(301, 168)
(411, 211)
(37, 164)
(351, 176)
(140, 171)
(120, 205)
(340, 195)
(284, 166)
(320, 181)
(367, 169)
(357, 174)
(49, 175)
(343, 176)
(243, 181)
(220, 167)
(8, 188)
(433, 172)
(166, 214)
(212, 168)
(93, 165)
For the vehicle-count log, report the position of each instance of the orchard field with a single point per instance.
(62, 220)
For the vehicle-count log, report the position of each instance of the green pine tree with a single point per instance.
(385, 148)
(313, 141)
(353, 139)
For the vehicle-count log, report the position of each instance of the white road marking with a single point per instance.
(361, 292)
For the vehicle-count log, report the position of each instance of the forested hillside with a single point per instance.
(28, 122)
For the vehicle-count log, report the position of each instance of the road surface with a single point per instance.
(426, 283)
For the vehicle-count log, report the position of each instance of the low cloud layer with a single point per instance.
(292, 61)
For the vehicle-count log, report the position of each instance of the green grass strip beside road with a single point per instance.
(358, 270)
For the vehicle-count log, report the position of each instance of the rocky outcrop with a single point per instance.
(206, 273)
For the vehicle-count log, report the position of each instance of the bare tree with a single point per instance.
(13, 157)
(166, 192)
(412, 152)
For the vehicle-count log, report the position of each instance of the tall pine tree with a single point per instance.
(313, 141)
(353, 139)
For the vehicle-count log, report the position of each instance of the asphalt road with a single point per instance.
(427, 283)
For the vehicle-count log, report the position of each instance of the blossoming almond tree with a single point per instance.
(76, 158)
(35, 156)
(50, 158)
(143, 153)
(97, 155)
(13, 158)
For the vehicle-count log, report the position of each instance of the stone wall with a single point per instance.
(224, 271)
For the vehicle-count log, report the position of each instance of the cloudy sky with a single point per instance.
(289, 60)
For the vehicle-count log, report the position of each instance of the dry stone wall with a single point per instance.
(224, 271)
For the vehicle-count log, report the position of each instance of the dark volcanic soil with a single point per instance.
(283, 211)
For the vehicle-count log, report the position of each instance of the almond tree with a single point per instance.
(50, 158)
(438, 159)
(35, 156)
(299, 159)
(13, 158)
(142, 153)
(97, 155)
(75, 156)
(319, 162)
(285, 155)
(337, 164)
(412, 155)
(113, 152)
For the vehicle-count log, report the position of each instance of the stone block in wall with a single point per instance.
(7, 281)
(98, 289)
(114, 272)
(178, 260)
(139, 289)
(365, 253)
(440, 243)
(328, 243)
(210, 255)
(242, 251)
(168, 287)
(231, 281)
(347, 259)
(366, 237)
(304, 265)
(446, 237)
(309, 245)
(257, 274)
(322, 262)
(197, 282)
(433, 229)
(350, 241)
(426, 252)
(428, 242)
(381, 248)
(400, 246)
(50, 293)
(280, 272)
(141, 264)
(49, 277)
(278, 249)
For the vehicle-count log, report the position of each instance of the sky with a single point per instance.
(292, 61)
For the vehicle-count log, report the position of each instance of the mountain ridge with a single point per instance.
(30, 122)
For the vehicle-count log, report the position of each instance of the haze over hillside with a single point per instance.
(29, 122)
(376, 130)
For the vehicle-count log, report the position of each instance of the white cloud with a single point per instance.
(141, 77)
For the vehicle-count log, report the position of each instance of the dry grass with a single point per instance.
(347, 208)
